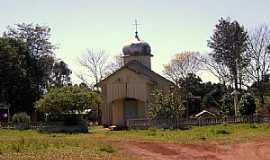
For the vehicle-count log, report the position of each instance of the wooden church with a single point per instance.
(126, 92)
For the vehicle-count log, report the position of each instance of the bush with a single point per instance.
(21, 118)
(166, 105)
(247, 105)
(67, 102)
(227, 107)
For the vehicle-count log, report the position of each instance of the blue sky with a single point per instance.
(168, 26)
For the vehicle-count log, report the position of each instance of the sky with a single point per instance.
(169, 26)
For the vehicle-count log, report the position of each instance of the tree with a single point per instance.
(95, 63)
(247, 105)
(60, 74)
(227, 107)
(41, 50)
(98, 65)
(181, 65)
(16, 86)
(195, 85)
(166, 105)
(28, 66)
(116, 63)
(259, 53)
(220, 70)
(229, 44)
(214, 97)
(68, 100)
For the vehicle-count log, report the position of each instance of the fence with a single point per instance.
(184, 123)
(9, 125)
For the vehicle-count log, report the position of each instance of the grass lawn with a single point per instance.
(99, 143)
(31, 144)
(228, 133)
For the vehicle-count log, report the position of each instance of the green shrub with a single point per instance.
(21, 118)
(67, 100)
(64, 105)
(247, 105)
(227, 107)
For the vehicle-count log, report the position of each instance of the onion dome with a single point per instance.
(137, 47)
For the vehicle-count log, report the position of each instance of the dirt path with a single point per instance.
(256, 150)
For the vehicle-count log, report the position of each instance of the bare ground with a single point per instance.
(254, 150)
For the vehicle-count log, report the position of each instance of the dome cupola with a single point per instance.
(137, 50)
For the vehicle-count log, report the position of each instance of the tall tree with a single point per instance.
(229, 44)
(37, 40)
(16, 87)
(258, 51)
(181, 65)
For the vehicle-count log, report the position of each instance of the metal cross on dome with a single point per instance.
(136, 31)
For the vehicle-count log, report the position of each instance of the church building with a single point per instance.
(126, 92)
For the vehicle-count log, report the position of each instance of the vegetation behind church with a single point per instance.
(30, 71)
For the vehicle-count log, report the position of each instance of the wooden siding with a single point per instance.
(127, 84)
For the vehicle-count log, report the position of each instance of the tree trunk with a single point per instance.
(235, 82)
(261, 99)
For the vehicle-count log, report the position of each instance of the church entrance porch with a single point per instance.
(127, 108)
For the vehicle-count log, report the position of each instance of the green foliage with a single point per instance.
(247, 105)
(211, 94)
(227, 107)
(214, 97)
(60, 74)
(68, 100)
(16, 87)
(166, 105)
(41, 51)
(21, 118)
(28, 66)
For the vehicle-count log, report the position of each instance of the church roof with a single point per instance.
(137, 48)
(137, 67)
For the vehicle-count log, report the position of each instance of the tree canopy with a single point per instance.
(68, 100)
(16, 87)
(28, 66)
(166, 105)
(229, 44)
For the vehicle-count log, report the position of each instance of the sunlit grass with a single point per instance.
(228, 133)
(31, 144)
(99, 143)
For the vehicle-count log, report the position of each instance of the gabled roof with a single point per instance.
(137, 67)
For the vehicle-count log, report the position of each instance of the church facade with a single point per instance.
(126, 92)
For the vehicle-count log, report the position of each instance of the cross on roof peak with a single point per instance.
(136, 31)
